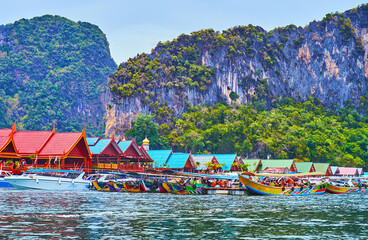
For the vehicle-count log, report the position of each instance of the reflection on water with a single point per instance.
(97, 215)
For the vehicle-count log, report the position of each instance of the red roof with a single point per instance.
(3, 141)
(28, 142)
(60, 143)
(5, 132)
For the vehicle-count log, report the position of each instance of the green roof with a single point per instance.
(303, 167)
(275, 163)
(321, 167)
(253, 164)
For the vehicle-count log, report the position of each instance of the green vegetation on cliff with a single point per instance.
(53, 71)
(289, 130)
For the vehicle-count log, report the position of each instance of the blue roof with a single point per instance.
(227, 159)
(202, 159)
(159, 157)
(123, 145)
(99, 146)
(91, 141)
(177, 160)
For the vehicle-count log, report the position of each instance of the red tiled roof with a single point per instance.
(60, 143)
(28, 142)
(3, 140)
(5, 132)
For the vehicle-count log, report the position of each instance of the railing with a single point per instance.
(127, 167)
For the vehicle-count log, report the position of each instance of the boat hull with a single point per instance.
(5, 184)
(255, 188)
(48, 184)
(176, 189)
(345, 190)
(131, 188)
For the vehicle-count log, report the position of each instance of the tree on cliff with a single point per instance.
(144, 127)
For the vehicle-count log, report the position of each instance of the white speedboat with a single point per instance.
(50, 179)
(3, 183)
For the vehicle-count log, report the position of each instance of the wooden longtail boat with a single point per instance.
(150, 186)
(131, 187)
(256, 188)
(346, 190)
(116, 187)
(101, 186)
(177, 189)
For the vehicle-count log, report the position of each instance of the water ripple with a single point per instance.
(96, 215)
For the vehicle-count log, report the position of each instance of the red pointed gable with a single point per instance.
(60, 143)
(112, 149)
(133, 150)
(80, 150)
(9, 147)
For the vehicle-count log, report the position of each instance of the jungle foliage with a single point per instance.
(289, 130)
(53, 71)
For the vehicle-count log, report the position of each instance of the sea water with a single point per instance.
(32, 214)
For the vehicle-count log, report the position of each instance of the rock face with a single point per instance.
(53, 71)
(327, 60)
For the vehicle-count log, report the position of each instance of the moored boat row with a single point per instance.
(185, 184)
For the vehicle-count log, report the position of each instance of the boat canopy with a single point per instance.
(188, 174)
(284, 175)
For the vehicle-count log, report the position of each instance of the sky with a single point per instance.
(134, 27)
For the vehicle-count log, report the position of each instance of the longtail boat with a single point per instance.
(256, 188)
(150, 186)
(130, 187)
(346, 190)
(182, 190)
(101, 186)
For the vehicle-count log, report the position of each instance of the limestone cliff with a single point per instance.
(327, 59)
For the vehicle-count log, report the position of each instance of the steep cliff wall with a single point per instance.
(326, 59)
(53, 71)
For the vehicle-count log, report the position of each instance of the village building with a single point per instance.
(9, 158)
(45, 149)
(159, 157)
(106, 153)
(206, 163)
(66, 151)
(305, 167)
(323, 168)
(229, 162)
(347, 172)
(334, 169)
(240, 159)
(132, 159)
(181, 162)
(252, 164)
(146, 156)
(277, 166)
